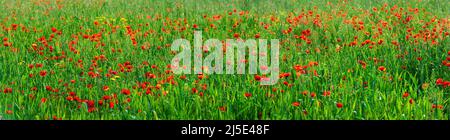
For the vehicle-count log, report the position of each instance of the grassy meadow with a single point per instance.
(110, 60)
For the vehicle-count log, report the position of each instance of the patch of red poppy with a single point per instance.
(223, 108)
(248, 95)
(43, 73)
(125, 91)
(382, 68)
(406, 94)
(296, 104)
(339, 105)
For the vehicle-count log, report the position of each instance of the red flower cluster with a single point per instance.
(326, 93)
(382, 68)
(125, 91)
(441, 82)
(437, 106)
(7, 90)
(296, 104)
(248, 95)
(339, 105)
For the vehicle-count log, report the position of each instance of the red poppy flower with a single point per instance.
(100, 102)
(286, 74)
(296, 104)
(200, 76)
(194, 90)
(43, 100)
(285, 83)
(43, 73)
(106, 97)
(339, 105)
(72, 93)
(298, 68)
(85, 36)
(381, 68)
(223, 108)
(7, 90)
(257, 78)
(446, 84)
(48, 88)
(204, 87)
(6, 44)
(69, 98)
(374, 9)
(54, 29)
(411, 101)
(195, 26)
(248, 95)
(76, 98)
(111, 104)
(91, 103)
(91, 109)
(183, 77)
(257, 35)
(326, 93)
(149, 75)
(305, 92)
(313, 94)
(440, 107)
(9, 112)
(406, 94)
(439, 81)
(236, 35)
(105, 88)
(125, 91)
(39, 65)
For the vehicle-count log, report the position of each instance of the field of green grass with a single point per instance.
(110, 60)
